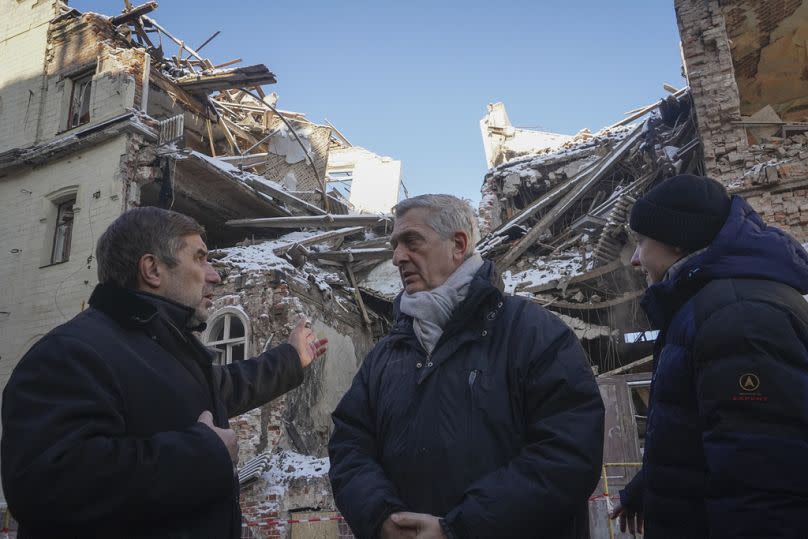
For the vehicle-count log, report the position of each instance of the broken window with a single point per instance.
(340, 182)
(640, 336)
(79, 111)
(640, 396)
(63, 232)
(227, 334)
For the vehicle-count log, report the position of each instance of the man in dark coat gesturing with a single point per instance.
(115, 424)
(478, 414)
(727, 433)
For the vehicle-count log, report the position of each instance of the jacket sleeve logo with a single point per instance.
(749, 382)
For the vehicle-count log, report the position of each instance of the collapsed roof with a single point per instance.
(554, 219)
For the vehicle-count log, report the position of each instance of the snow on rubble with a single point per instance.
(286, 466)
(261, 256)
(565, 265)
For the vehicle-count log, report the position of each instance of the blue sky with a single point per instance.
(412, 79)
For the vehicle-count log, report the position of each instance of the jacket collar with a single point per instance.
(485, 284)
(745, 248)
(133, 308)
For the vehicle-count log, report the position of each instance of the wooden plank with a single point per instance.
(316, 221)
(357, 295)
(569, 305)
(133, 14)
(228, 63)
(340, 136)
(350, 255)
(240, 131)
(319, 238)
(209, 128)
(628, 367)
(281, 195)
(211, 38)
(247, 160)
(195, 105)
(645, 110)
(233, 78)
(594, 274)
(229, 136)
(191, 51)
(569, 199)
(544, 201)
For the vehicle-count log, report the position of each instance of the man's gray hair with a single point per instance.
(447, 215)
(137, 232)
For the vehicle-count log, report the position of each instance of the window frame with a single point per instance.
(59, 226)
(83, 83)
(226, 315)
(49, 217)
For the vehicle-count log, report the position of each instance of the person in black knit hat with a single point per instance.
(727, 429)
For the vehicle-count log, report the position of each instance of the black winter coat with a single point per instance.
(500, 430)
(100, 433)
(727, 435)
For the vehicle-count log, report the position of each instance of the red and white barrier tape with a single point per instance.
(296, 520)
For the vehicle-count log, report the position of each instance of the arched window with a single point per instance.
(228, 332)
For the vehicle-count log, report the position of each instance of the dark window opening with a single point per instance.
(63, 232)
(640, 397)
(79, 112)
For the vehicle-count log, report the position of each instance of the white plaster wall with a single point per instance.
(513, 138)
(34, 298)
(376, 180)
(23, 41)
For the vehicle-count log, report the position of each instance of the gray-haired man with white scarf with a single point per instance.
(478, 414)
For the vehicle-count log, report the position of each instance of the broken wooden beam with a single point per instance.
(600, 271)
(350, 255)
(645, 110)
(627, 367)
(231, 78)
(545, 200)
(280, 194)
(228, 63)
(572, 306)
(314, 221)
(246, 160)
(211, 38)
(357, 295)
(133, 14)
(319, 238)
(191, 51)
(581, 188)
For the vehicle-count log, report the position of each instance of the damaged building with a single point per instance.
(555, 208)
(99, 114)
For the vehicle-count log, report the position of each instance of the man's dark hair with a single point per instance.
(137, 232)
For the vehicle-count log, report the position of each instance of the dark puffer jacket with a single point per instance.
(500, 430)
(100, 432)
(727, 434)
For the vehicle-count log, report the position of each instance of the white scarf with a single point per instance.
(432, 309)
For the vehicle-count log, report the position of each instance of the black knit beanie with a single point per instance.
(684, 211)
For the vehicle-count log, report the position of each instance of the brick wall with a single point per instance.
(787, 210)
(272, 301)
(772, 172)
(711, 76)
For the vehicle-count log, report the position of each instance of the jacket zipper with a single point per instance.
(472, 379)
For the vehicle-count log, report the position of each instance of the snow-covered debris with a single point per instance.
(543, 271)
(383, 280)
(261, 256)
